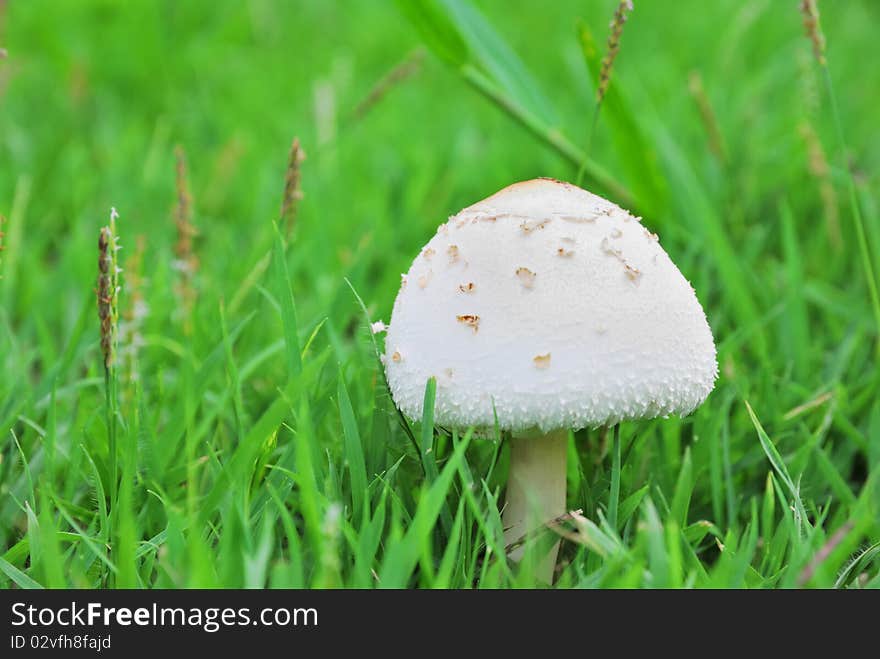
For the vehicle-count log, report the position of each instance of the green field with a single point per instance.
(250, 440)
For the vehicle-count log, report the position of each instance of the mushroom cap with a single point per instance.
(552, 308)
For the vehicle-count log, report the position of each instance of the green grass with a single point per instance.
(262, 448)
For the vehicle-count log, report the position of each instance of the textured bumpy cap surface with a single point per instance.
(552, 308)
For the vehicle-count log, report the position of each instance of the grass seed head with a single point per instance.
(817, 164)
(183, 249)
(108, 289)
(292, 191)
(409, 67)
(186, 261)
(812, 26)
(183, 209)
(613, 47)
(707, 115)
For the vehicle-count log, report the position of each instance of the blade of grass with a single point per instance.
(18, 577)
(426, 447)
(53, 561)
(658, 556)
(779, 467)
(492, 54)
(295, 578)
(404, 423)
(401, 557)
(288, 307)
(436, 28)
(353, 450)
(684, 488)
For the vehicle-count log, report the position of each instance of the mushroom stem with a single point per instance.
(535, 492)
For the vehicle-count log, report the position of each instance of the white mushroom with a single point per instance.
(654, 357)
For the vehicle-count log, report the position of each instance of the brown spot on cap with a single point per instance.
(425, 278)
(428, 252)
(526, 277)
(565, 253)
(470, 320)
(395, 357)
(467, 288)
(528, 226)
(632, 272)
(542, 361)
(452, 252)
(609, 249)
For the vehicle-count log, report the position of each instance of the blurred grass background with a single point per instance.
(237, 469)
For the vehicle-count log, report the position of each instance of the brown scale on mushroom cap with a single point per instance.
(526, 277)
(632, 272)
(471, 320)
(529, 226)
(541, 361)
